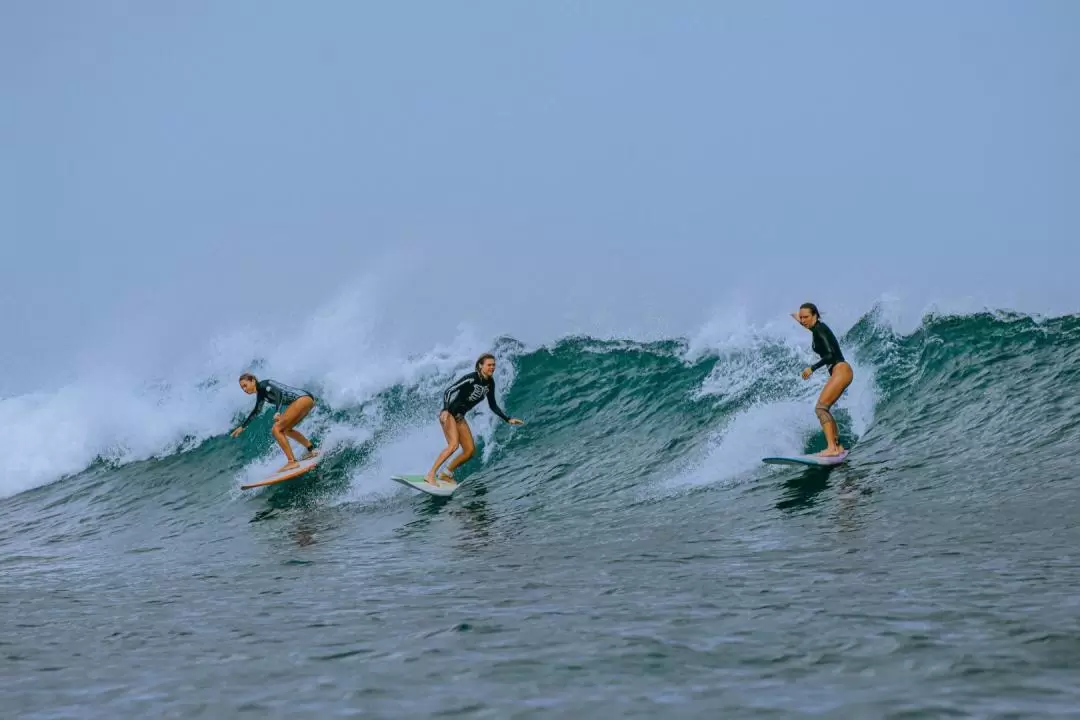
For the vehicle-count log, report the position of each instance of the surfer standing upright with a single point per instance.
(298, 404)
(840, 373)
(460, 398)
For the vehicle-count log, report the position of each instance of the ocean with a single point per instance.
(623, 554)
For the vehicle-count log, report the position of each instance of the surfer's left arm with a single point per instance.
(497, 410)
(255, 411)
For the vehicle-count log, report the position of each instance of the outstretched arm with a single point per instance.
(494, 405)
(255, 411)
(497, 410)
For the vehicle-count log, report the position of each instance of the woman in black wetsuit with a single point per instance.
(840, 373)
(296, 403)
(458, 399)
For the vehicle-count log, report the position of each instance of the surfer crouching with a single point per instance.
(458, 399)
(298, 404)
(840, 373)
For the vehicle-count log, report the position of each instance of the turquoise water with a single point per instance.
(623, 554)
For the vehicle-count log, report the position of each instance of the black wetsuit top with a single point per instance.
(275, 392)
(463, 395)
(826, 346)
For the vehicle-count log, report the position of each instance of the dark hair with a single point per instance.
(811, 307)
(480, 360)
(249, 376)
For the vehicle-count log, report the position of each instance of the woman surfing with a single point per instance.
(460, 398)
(840, 373)
(298, 404)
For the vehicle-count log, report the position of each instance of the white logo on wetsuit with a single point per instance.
(478, 392)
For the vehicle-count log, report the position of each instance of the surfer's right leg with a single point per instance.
(283, 428)
(838, 382)
(468, 447)
(310, 450)
(450, 430)
(283, 443)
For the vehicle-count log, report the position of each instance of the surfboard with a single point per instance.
(815, 460)
(305, 465)
(416, 482)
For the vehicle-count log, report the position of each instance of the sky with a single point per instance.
(173, 171)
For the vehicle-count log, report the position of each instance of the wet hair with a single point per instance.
(811, 307)
(480, 360)
(248, 376)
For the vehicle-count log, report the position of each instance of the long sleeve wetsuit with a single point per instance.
(826, 346)
(277, 393)
(463, 395)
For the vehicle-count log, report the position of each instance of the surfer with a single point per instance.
(460, 398)
(840, 373)
(298, 404)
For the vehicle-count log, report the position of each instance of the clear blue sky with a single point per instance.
(170, 170)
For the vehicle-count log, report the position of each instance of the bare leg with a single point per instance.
(304, 442)
(834, 388)
(283, 428)
(450, 430)
(468, 447)
(283, 441)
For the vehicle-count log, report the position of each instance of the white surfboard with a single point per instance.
(416, 482)
(300, 469)
(816, 460)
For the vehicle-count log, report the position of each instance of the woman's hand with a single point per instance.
(515, 421)
(807, 373)
(237, 431)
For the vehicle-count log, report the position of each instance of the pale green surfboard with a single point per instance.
(416, 482)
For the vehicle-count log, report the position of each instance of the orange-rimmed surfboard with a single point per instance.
(281, 477)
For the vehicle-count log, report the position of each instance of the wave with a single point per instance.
(690, 411)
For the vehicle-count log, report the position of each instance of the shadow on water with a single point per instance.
(468, 506)
(328, 479)
(803, 491)
(309, 523)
